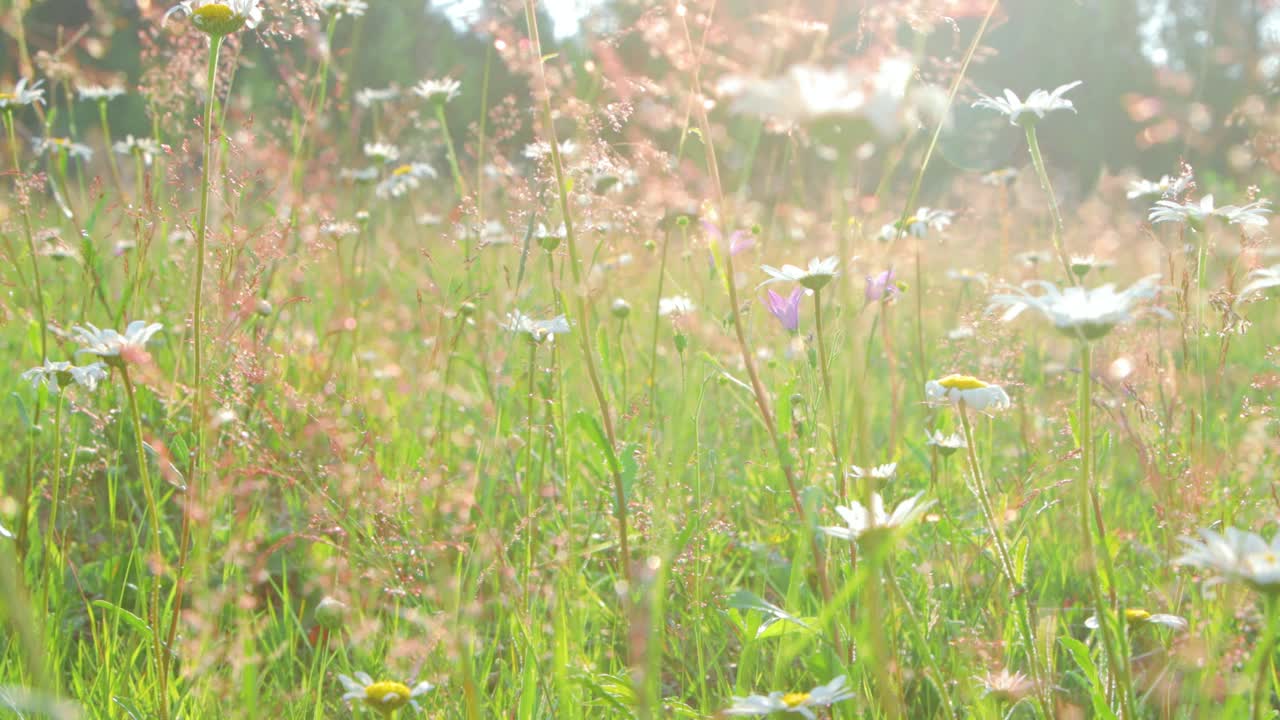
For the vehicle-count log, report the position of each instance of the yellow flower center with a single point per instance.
(961, 382)
(794, 699)
(402, 170)
(387, 695)
(1135, 615)
(217, 19)
(7, 96)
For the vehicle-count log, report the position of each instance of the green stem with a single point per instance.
(30, 236)
(657, 326)
(1026, 624)
(1103, 610)
(459, 184)
(918, 629)
(1036, 159)
(830, 401)
(111, 154)
(153, 511)
(1262, 658)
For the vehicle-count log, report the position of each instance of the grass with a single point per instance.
(621, 520)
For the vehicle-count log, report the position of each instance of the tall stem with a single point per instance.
(111, 155)
(584, 333)
(1026, 624)
(1036, 159)
(459, 184)
(153, 510)
(1262, 683)
(1090, 510)
(830, 401)
(30, 237)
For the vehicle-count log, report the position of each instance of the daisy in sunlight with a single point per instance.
(968, 391)
(820, 272)
(1259, 280)
(404, 178)
(113, 347)
(798, 703)
(1038, 104)
(384, 696)
(1235, 556)
(1195, 213)
(219, 17)
(537, 331)
(57, 375)
(868, 523)
(22, 95)
(1135, 617)
(100, 93)
(1085, 314)
(442, 90)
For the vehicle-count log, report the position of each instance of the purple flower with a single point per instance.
(881, 286)
(786, 309)
(739, 240)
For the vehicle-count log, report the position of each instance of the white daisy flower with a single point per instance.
(1085, 314)
(815, 277)
(114, 347)
(1197, 213)
(76, 150)
(351, 8)
(862, 522)
(1165, 187)
(537, 330)
(219, 17)
(442, 90)
(974, 393)
(146, 147)
(541, 149)
(22, 95)
(877, 472)
(946, 444)
(1259, 280)
(59, 374)
(359, 175)
(678, 306)
(403, 179)
(382, 152)
(1236, 556)
(799, 703)
(1136, 616)
(1038, 103)
(100, 93)
(385, 696)
(368, 97)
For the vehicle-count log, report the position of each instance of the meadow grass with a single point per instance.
(511, 427)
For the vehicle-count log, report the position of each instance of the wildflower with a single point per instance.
(339, 228)
(946, 444)
(368, 97)
(537, 330)
(739, 240)
(972, 392)
(819, 273)
(1260, 279)
(386, 696)
(962, 332)
(870, 523)
(147, 148)
(1135, 617)
(786, 309)
(113, 347)
(1079, 312)
(1165, 187)
(22, 95)
(382, 152)
(966, 276)
(219, 17)
(620, 308)
(350, 8)
(1038, 103)
(919, 224)
(1197, 213)
(876, 472)
(799, 703)
(1081, 264)
(541, 149)
(59, 374)
(549, 239)
(1237, 556)
(330, 612)
(99, 93)
(403, 179)
(438, 91)
(1032, 258)
(1001, 176)
(678, 305)
(62, 145)
(1006, 686)
(880, 287)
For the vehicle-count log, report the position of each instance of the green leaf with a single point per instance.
(129, 618)
(1080, 652)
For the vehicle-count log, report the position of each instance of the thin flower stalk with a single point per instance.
(111, 156)
(1089, 506)
(584, 319)
(748, 357)
(1033, 143)
(459, 183)
(1026, 623)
